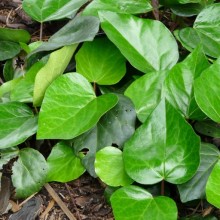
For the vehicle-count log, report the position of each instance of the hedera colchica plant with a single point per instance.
(118, 98)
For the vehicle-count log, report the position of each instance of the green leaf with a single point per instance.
(8, 70)
(195, 188)
(17, 123)
(8, 50)
(71, 108)
(46, 10)
(205, 31)
(165, 147)
(147, 44)
(213, 186)
(180, 81)
(29, 172)
(100, 62)
(122, 6)
(23, 90)
(63, 164)
(186, 10)
(109, 167)
(80, 29)
(55, 66)
(207, 89)
(146, 92)
(133, 202)
(8, 86)
(7, 154)
(14, 35)
(115, 127)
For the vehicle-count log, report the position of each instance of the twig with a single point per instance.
(59, 201)
(22, 203)
(46, 211)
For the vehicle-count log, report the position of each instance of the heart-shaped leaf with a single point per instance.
(213, 186)
(8, 50)
(109, 167)
(122, 6)
(29, 172)
(207, 89)
(17, 123)
(147, 44)
(146, 93)
(195, 188)
(165, 147)
(47, 10)
(63, 164)
(51, 71)
(100, 62)
(133, 202)
(179, 84)
(71, 108)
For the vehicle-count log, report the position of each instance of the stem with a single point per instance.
(162, 187)
(1, 81)
(41, 31)
(155, 11)
(94, 87)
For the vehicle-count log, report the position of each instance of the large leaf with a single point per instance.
(29, 172)
(165, 147)
(195, 188)
(207, 90)
(47, 10)
(114, 128)
(80, 29)
(63, 164)
(213, 186)
(122, 6)
(71, 108)
(109, 167)
(17, 123)
(8, 50)
(180, 81)
(133, 202)
(146, 92)
(55, 66)
(147, 44)
(100, 62)
(205, 31)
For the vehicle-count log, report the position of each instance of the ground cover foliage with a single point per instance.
(127, 91)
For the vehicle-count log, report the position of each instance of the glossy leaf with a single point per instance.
(140, 204)
(17, 123)
(63, 164)
(54, 67)
(213, 186)
(8, 50)
(100, 62)
(29, 172)
(71, 108)
(115, 127)
(147, 44)
(14, 35)
(187, 10)
(165, 147)
(7, 154)
(122, 6)
(46, 10)
(207, 89)
(180, 81)
(8, 70)
(195, 188)
(77, 30)
(109, 167)
(146, 92)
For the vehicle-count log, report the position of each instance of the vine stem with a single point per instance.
(94, 87)
(41, 31)
(162, 187)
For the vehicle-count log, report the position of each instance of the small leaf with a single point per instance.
(71, 108)
(213, 186)
(8, 50)
(165, 147)
(147, 44)
(100, 62)
(9, 86)
(63, 164)
(51, 71)
(195, 188)
(146, 93)
(109, 167)
(207, 89)
(133, 202)
(29, 172)
(17, 123)
(7, 154)
(8, 71)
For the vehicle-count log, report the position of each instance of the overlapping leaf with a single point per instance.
(8, 50)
